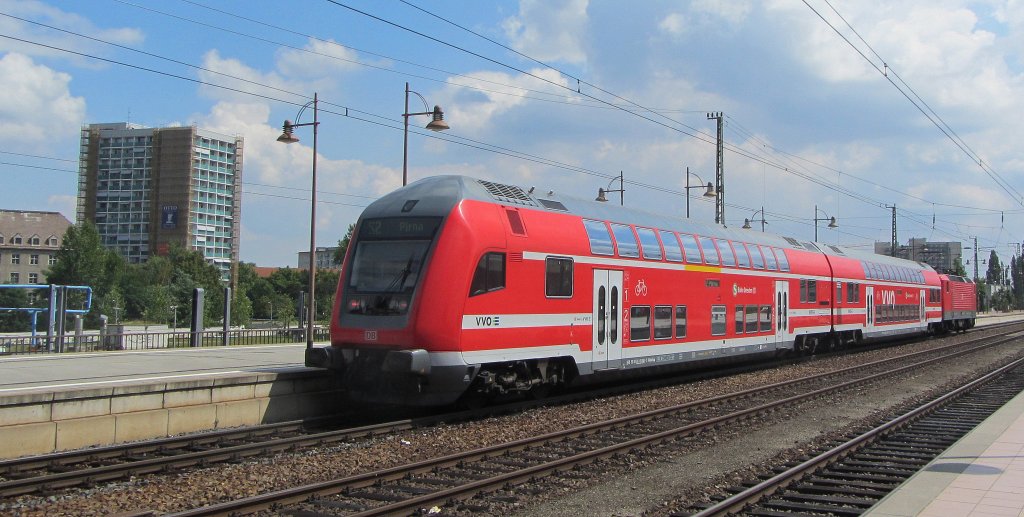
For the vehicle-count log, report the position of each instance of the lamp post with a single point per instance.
(831, 221)
(746, 222)
(175, 309)
(710, 192)
(288, 138)
(437, 123)
(622, 188)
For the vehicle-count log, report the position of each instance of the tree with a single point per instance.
(958, 267)
(81, 259)
(339, 254)
(14, 321)
(994, 274)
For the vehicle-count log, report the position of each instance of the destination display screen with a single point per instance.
(399, 228)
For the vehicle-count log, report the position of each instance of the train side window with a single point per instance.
(639, 323)
(710, 251)
(649, 243)
(600, 239)
(769, 258)
(725, 250)
(718, 320)
(673, 253)
(766, 318)
(739, 319)
(663, 322)
(755, 255)
(812, 291)
(680, 321)
(751, 319)
(691, 248)
(742, 256)
(780, 255)
(626, 240)
(558, 277)
(489, 275)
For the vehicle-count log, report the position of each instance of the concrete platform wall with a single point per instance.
(44, 422)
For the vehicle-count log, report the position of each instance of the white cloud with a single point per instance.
(674, 24)
(474, 110)
(316, 60)
(49, 15)
(550, 30)
(36, 105)
(249, 79)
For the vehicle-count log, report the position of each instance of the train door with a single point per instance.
(781, 312)
(923, 309)
(869, 307)
(607, 332)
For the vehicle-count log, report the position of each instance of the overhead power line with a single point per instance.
(928, 113)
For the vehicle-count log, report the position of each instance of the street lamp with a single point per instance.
(175, 309)
(710, 192)
(746, 222)
(602, 191)
(437, 123)
(288, 138)
(831, 221)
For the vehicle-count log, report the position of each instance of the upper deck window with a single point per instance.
(673, 252)
(710, 251)
(780, 255)
(742, 257)
(649, 243)
(600, 239)
(755, 255)
(725, 249)
(769, 258)
(626, 241)
(691, 248)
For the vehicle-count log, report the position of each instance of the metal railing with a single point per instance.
(94, 341)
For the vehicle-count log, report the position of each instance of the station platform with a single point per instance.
(56, 402)
(982, 475)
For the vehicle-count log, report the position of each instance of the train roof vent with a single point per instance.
(507, 193)
(794, 242)
(837, 250)
(553, 205)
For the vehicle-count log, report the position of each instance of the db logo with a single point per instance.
(371, 335)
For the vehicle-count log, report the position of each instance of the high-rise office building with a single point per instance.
(147, 188)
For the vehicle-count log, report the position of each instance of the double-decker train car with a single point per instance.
(455, 286)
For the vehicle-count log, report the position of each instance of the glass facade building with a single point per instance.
(148, 188)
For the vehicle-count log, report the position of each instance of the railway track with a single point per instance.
(851, 476)
(407, 489)
(50, 473)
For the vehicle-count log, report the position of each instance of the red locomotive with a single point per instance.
(455, 286)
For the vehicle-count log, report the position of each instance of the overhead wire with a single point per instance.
(480, 146)
(959, 143)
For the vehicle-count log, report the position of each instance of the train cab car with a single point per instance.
(959, 303)
(457, 287)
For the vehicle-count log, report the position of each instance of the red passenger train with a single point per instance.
(455, 286)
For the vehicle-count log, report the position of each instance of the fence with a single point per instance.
(120, 340)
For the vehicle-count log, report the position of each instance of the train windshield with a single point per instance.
(390, 254)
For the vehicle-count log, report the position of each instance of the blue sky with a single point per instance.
(808, 119)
